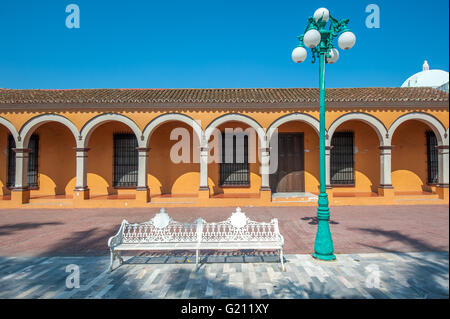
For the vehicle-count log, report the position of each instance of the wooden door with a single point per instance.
(290, 176)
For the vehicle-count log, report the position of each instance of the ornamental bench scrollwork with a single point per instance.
(163, 233)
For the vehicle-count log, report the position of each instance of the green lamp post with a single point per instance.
(319, 38)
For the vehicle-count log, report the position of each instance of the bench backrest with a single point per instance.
(161, 228)
(239, 228)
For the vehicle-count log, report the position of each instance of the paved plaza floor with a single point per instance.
(85, 232)
(382, 252)
(374, 275)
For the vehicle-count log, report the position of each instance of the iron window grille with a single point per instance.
(234, 166)
(432, 158)
(33, 163)
(125, 160)
(342, 160)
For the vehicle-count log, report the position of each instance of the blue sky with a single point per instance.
(210, 44)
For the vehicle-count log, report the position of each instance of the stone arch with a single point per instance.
(375, 123)
(29, 127)
(12, 129)
(430, 120)
(237, 118)
(305, 118)
(95, 122)
(168, 117)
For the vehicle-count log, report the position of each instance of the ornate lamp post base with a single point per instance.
(323, 245)
(324, 257)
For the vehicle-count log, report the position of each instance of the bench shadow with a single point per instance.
(206, 257)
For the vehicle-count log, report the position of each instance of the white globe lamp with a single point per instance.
(312, 38)
(322, 13)
(347, 40)
(299, 54)
(333, 56)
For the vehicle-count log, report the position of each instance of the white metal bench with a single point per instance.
(163, 233)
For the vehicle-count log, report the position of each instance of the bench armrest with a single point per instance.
(116, 240)
(277, 230)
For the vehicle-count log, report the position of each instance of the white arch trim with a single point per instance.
(238, 118)
(12, 129)
(376, 124)
(430, 120)
(168, 117)
(305, 118)
(93, 123)
(29, 127)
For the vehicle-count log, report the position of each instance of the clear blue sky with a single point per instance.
(210, 44)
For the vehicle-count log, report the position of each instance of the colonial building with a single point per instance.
(112, 147)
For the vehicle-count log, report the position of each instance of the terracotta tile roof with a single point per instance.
(267, 97)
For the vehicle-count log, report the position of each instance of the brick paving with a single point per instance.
(84, 232)
(376, 275)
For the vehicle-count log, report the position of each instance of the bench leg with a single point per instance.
(196, 258)
(282, 260)
(119, 255)
(112, 257)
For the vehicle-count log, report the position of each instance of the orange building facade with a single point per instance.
(122, 147)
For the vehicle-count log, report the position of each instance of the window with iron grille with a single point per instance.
(33, 164)
(342, 161)
(432, 158)
(234, 168)
(125, 160)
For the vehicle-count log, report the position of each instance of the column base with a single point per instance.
(81, 194)
(20, 196)
(265, 194)
(386, 191)
(143, 194)
(324, 257)
(442, 192)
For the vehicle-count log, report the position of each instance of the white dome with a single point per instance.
(427, 78)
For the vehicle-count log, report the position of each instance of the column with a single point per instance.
(385, 188)
(20, 194)
(81, 191)
(442, 187)
(142, 189)
(265, 191)
(204, 188)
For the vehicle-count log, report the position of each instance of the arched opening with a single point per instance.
(234, 165)
(412, 168)
(112, 161)
(52, 154)
(355, 160)
(295, 147)
(173, 162)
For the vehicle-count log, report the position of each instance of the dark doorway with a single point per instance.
(290, 175)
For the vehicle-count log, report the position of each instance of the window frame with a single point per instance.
(345, 158)
(432, 158)
(128, 163)
(231, 168)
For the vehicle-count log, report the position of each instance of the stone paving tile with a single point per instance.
(378, 275)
